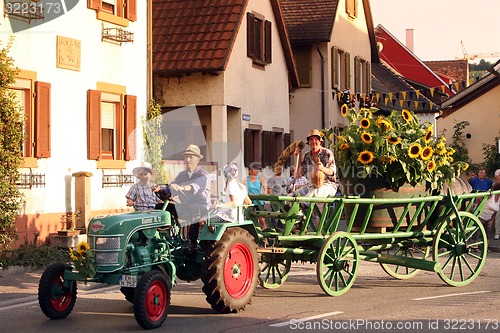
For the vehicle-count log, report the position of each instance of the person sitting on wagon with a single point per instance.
(319, 166)
(237, 193)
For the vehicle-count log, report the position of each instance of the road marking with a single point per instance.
(287, 323)
(451, 295)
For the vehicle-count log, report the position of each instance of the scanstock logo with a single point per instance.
(26, 14)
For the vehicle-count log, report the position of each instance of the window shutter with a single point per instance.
(250, 35)
(266, 148)
(119, 146)
(42, 119)
(130, 127)
(347, 70)
(94, 4)
(94, 125)
(267, 42)
(357, 74)
(248, 147)
(335, 68)
(131, 10)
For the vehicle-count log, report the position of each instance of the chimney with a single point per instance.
(410, 40)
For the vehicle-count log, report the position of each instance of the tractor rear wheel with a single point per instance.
(152, 299)
(56, 301)
(231, 271)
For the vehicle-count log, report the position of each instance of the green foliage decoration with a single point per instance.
(491, 157)
(458, 142)
(154, 140)
(11, 139)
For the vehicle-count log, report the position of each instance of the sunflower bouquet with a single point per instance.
(396, 148)
(83, 260)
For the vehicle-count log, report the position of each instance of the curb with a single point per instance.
(12, 270)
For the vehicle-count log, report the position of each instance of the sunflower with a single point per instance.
(366, 137)
(344, 146)
(426, 153)
(75, 255)
(365, 123)
(393, 141)
(387, 159)
(466, 166)
(384, 124)
(431, 165)
(428, 134)
(407, 115)
(83, 247)
(414, 150)
(341, 138)
(343, 110)
(365, 157)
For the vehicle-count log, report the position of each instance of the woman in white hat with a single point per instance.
(141, 195)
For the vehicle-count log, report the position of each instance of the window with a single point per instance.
(362, 75)
(265, 146)
(351, 8)
(114, 11)
(258, 39)
(111, 125)
(341, 65)
(33, 99)
(303, 62)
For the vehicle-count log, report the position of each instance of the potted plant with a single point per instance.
(394, 154)
(69, 219)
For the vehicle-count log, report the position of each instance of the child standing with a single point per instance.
(141, 195)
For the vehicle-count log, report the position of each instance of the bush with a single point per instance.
(32, 255)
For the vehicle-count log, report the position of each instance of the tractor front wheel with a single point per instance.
(230, 271)
(55, 300)
(152, 299)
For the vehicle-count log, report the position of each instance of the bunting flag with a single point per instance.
(386, 100)
(390, 96)
(404, 95)
(401, 102)
(431, 105)
(432, 91)
(418, 93)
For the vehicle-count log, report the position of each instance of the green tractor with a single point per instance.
(144, 253)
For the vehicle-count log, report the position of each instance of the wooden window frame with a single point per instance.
(125, 126)
(259, 32)
(362, 75)
(341, 69)
(125, 11)
(37, 100)
(252, 145)
(351, 8)
(300, 54)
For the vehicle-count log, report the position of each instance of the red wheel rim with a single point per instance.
(238, 270)
(59, 298)
(156, 300)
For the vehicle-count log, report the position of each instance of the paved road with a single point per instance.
(376, 303)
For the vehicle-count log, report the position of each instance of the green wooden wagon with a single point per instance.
(439, 233)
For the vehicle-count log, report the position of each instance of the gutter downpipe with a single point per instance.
(322, 87)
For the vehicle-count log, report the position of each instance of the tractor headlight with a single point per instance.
(107, 250)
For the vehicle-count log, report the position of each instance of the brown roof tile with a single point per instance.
(455, 69)
(309, 20)
(194, 36)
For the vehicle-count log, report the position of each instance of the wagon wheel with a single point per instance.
(273, 270)
(230, 271)
(338, 263)
(402, 272)
(460, 247)
(152, 299)
(56, 301)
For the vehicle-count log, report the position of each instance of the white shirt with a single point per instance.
(239, 194)
(490, 208)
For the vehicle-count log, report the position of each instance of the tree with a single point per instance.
(154, 140)
(491, 156)
(461, 151)
(11, 139)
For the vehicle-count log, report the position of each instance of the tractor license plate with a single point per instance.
(128, 281)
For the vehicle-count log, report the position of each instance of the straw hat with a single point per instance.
(193, 150)
(315, 132)
(145, 166)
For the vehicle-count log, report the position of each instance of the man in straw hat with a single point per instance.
(141, 195)
(191, 190)
(319, 165)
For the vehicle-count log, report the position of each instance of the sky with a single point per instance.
(441, 26)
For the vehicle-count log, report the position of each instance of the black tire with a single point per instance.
(231, 271)
(56, 301)
(128, 293)
(152, 299)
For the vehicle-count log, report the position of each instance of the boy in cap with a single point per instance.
(141, 195)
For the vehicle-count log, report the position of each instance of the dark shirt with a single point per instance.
(481, 185)
(196, 201)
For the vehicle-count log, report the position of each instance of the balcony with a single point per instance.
(117, 35)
